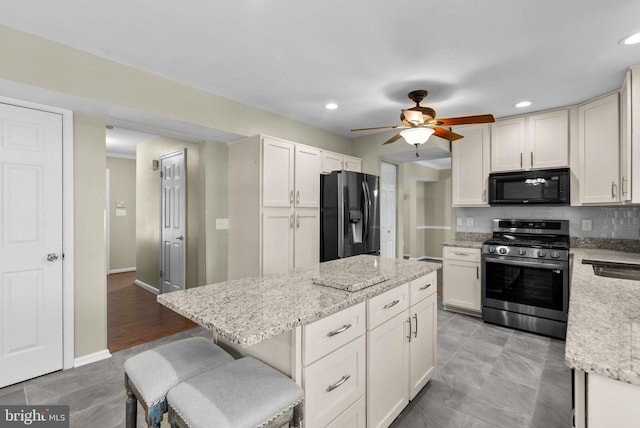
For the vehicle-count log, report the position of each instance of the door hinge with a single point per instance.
(161, 174)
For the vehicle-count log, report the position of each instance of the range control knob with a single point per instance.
(503, 250)
(522, 251)
(542, 253)
(492, 250)
(555, 254)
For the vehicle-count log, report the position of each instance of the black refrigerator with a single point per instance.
(349, 215)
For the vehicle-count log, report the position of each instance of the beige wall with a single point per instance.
(148, 211)
(122, 229)
(215, 157)
(438, 212)
(90, 290)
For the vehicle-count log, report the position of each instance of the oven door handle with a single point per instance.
(539, 263)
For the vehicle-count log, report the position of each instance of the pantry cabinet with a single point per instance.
(534, 141)
(599, 150)
(470, 164)
(461, 281)
(274, 199)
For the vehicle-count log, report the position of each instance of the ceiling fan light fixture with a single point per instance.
(523, 104)
(632, 39)
(415, 136)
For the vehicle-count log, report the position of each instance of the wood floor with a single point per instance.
(134, 316)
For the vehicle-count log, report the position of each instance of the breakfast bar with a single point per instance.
(307, 324)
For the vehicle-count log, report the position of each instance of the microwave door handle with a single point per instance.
(538, 264)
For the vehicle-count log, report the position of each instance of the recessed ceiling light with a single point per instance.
(331, 106)
(523, 104)
(633, 39)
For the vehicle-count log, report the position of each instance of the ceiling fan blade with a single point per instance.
(393, 139)
(465, 120)
(446, 134)
(379, 127)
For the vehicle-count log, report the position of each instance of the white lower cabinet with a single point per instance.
(422, 356)
(354, 417)
(461, 280)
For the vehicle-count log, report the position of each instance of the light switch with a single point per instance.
(222, 223)
(470, 221)
(121, 204)
(459, 221)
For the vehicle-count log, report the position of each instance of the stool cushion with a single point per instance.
(156, 371)
(244, 393)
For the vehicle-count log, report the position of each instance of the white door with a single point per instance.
(173, 221)
(307, 177)
(307, 238)
(30, 243)
(423, 353)
(388, 210)
(277, 240)
(277, 173)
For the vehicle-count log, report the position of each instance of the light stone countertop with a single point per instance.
(250, 310)
(603, 333)
(463, 244)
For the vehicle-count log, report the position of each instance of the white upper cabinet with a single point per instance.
(470, 166)
(277, 173)
(598, 145)
(337, 162)
(507, 145)
(548, 140)
(534, 141)
(307, 177)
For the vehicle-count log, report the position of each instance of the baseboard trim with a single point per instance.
(92, 358)
(129, 269)
(146, 286)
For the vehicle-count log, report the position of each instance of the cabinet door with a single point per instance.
(307, 238)
(354, 417)
(387, 371)
(277, 173)
(598, 143)
(422, 356)
(277, 240)
(331, 162)
(507, 145)
(461, 284)
(625, 139)
(548, 140)
(352, 164)
(470, 166)
(307, 177)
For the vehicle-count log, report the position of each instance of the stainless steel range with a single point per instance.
(525, 275)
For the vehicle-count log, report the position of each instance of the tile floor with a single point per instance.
(487, 376)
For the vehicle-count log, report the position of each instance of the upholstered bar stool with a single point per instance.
(245, 393)
(150, 375)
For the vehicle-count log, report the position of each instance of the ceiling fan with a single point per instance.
(420, 123)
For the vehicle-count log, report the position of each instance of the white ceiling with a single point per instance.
(291, 57)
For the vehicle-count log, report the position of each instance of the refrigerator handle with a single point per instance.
(367, 209)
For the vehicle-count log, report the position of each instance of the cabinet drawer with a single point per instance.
(387, 305)
(330, 333)
(462, 254)
(423, 287)
(353, 417)
(334, 383)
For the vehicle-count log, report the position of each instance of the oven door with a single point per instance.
(538, 288)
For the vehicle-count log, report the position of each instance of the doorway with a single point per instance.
(388, 209)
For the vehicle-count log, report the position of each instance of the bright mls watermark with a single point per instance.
(34, 416)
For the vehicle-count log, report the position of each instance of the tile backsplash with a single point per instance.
(604, 222)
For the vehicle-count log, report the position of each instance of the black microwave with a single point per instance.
(547, 187)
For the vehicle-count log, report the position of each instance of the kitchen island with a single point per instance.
(603, 341)
(327, 339)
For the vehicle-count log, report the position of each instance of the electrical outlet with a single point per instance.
(459, 221)
(222, 223)
(587, 225)
(470, 221)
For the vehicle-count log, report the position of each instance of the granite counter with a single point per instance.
(603, 333)
(251, 310)
(463, 244)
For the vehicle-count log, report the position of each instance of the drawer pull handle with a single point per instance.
(424, 287)
(342, 380)
(392, 304)
(457, 253)
(338, 331)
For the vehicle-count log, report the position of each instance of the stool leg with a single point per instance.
(154, 415)
(131, 407)
(295, 422)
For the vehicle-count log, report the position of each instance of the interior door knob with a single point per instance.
(180, 238)
(52, 257)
